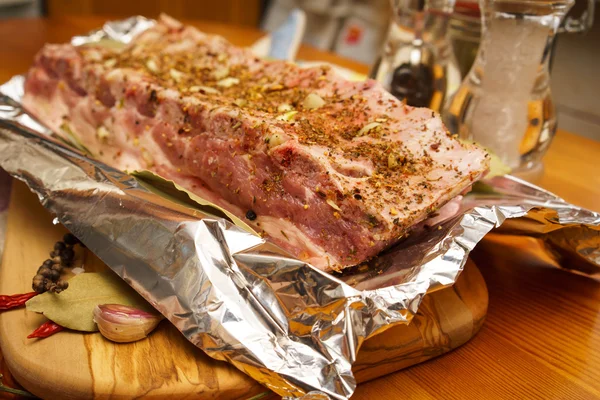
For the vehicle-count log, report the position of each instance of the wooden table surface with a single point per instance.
(542, 334)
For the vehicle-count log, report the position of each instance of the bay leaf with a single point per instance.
(176, 193)
(73, 308)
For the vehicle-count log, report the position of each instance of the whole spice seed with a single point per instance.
(59, 246)
(14, 301)
(44, 271)
(66, 256)
(57, 267)
(70, 239)
(48, 275)
(251, 215)
(54, 275)
(39, 283)
(48, 328)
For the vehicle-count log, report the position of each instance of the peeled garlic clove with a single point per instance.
(124, 324)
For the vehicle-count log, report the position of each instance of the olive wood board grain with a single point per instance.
(72, 365)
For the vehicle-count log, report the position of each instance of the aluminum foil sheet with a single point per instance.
(290, 326)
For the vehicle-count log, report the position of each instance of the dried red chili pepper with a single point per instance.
(48, 328)
(14, 301)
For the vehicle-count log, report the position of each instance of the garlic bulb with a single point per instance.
(124, 324)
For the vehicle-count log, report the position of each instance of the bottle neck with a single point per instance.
(421, 22)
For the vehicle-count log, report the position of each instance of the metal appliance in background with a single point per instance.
(504, 102)
(417, 64)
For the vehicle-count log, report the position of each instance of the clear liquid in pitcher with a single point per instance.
(505, 103)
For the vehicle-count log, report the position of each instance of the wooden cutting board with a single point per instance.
(71, 365)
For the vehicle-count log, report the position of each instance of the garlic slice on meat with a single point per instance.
(228, 82)
(313, 101)
(124, 324)
(102, 133)
(333, 205)
(203, 89)
(176, 74)
(221, 73)
(240, 102)
(148, 158)
(288, 116)
(275, 140)
(111, 62)
(368, 127)
(284, 108)
(151, 65)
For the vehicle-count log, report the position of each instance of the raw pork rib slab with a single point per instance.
(331, 170)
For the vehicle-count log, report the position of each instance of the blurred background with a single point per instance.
(356, 29)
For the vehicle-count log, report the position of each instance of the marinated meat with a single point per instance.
(334, 171)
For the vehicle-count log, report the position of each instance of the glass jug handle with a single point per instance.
(581, 24)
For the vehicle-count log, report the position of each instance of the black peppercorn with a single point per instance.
(67, 256)
(39, 284)
(58, 286)
(53, 275)
(57, 267)
(45, 272)
(251, 215)
(48, 274)
(70, 239)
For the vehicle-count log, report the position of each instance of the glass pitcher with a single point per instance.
(504, 103)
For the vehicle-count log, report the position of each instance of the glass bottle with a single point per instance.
(504, 103)
(417, 64)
